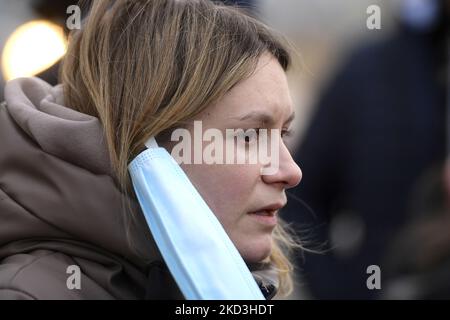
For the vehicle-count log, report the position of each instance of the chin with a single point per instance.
(256, 250)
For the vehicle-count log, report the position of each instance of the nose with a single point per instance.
(288, 174)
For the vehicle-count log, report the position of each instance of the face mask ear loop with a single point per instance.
(151, 143)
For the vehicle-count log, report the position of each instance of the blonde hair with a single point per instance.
(145, 66)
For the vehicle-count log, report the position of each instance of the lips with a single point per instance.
(270, 209)
(266, 218)
(268, 214)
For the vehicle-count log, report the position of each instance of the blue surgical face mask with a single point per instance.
(199, 254)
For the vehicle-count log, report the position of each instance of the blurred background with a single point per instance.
(371, 135)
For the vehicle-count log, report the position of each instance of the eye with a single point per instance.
(251, 135)
(287, 133)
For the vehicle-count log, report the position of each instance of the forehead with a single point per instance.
(265, 90)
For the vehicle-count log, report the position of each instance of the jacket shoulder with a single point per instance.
(46, 275)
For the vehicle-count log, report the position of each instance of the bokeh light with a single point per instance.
(33, 48)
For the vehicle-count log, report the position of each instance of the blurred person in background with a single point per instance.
(417, 264)
(379, 128)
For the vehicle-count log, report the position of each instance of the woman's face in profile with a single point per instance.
(244, 200)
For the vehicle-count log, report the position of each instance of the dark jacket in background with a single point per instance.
(378, 128)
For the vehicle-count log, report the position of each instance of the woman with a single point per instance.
(139, 69)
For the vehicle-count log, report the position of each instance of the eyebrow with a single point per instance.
(263, 117)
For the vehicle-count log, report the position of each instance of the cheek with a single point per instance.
(235, 191)
(227, 189)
